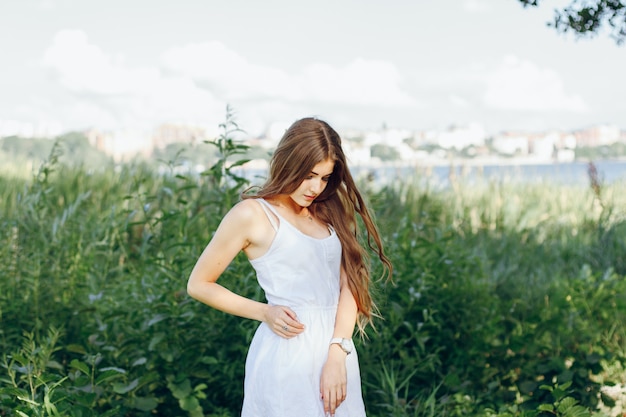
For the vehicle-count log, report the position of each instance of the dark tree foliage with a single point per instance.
(587, 17)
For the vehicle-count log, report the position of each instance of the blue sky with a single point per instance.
(419, 64)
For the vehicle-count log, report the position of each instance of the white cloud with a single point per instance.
(458, 101)
(90, 113)
(227, 73)
(46, 5)
(521, 85)
(232, 77)
(112, 94)
(83, 67)
(476, 6)
(194, 83)
(361, 82)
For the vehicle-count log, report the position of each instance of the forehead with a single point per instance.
(324, 168)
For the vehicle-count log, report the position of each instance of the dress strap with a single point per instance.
(271, 216)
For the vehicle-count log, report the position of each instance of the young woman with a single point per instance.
(300, 233)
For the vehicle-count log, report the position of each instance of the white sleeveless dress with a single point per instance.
(282, 376)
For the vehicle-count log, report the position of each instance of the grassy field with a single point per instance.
(508, 299)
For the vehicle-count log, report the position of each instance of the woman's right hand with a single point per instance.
(283, 321)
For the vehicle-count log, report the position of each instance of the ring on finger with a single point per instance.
(285, 328)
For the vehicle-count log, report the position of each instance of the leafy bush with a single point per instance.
(508, 299)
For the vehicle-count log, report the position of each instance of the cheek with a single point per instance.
(302, 187)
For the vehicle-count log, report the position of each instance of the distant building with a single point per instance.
(167, 134)
(543, 145)
(511, 143)
(597, 136)
(357, 155)
(121, 145)
(411, 146)
(462, 137)
(29, 130)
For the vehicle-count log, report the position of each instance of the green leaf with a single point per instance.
(20, 359)
(201, 373)
(54, 365)
(112, 413)
(566, 404)
(156, 339)
(239, 163)
(140, 361)
(558, 393)
(201, 387)
(527, 387)
(593, 358)
(85, 397)
(565, 385)
(199, 412)
(121, 388)
(157, 318)
(144, 403)
(76, 349)
(15, 392)
(209, 360)
(108, 375)
(180, 390)
(81, 366)
(189, 403)
(113, 368)
(545, 407)
(607, 400)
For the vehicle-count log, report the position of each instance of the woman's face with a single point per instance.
(313, 185)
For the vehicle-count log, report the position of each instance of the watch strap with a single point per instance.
(340, 341)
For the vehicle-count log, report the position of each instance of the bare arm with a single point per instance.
(241, 229)
(346, 313)
(333, 382)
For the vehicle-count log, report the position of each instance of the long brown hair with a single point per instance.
(306, 143)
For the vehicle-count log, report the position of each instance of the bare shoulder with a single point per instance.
(249, 220)
(240, 226)
(244, 218)
(246, 211)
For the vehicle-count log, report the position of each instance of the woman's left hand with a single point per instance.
(334, 380)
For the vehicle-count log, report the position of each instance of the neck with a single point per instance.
(287, 203)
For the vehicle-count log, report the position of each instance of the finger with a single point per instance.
(294, 328)
(287, 332)
(291, 325)
(333, 403)
(326, 398)
(292, 319)
(290, 313)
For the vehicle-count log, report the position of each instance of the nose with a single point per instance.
(316, 185)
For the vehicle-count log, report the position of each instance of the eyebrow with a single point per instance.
(315, 173)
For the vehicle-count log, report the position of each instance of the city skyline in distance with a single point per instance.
(356, 64)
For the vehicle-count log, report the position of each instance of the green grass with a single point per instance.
(503, 293)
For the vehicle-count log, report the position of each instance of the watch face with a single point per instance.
(346, 345)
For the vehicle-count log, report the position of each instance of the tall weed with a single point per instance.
(503, 293)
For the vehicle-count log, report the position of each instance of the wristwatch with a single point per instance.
(345, 344)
